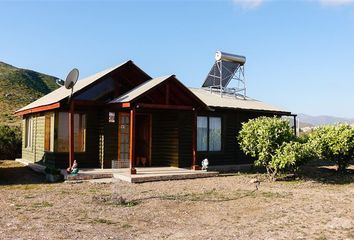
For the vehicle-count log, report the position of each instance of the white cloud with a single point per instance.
(249, 4)
(334, 3)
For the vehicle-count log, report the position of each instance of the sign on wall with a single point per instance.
(111, 117)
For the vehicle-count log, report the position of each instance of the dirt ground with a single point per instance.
(317, 206)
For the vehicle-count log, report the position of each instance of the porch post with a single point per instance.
(295, 126)
(132, 140)
(71, 133)
(194, 141)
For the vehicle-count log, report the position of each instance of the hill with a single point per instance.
(19, 87)
(321, 120)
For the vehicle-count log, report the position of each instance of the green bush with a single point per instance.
(262, 137)
(334, 143)
(290, 156)
(10, 142)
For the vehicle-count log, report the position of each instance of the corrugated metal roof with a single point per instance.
(213, 99)
(142, 88)
(62, 93)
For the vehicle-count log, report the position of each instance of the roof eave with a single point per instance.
(38, 109)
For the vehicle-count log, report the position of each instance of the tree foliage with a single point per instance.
(290, 156)
(262, 137)
(10, 142)
(334, 143)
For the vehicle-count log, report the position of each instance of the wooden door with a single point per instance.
(123, 140)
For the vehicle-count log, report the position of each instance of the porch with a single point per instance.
(143, 174)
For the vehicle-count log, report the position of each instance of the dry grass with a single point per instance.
(214, 208)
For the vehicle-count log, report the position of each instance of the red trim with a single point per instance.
(120, 105)
(163, 106)
(38, 109)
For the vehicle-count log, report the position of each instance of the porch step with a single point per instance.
(164, 177)
(86, 176)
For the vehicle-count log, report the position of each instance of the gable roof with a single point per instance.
(147, 86)
(213, 99)
(62, 93)
(139, 90)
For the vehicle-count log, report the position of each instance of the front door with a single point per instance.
(123, 140)
(143, 140)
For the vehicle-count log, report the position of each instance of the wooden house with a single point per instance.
(123, 118)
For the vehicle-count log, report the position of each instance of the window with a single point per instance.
(49, 132)
(202, 133)
(28, 132)
(63, 132)
(209, 134)
(214, 134)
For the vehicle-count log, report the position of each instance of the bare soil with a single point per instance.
(319, 205)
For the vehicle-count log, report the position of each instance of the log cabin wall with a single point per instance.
(230, 153)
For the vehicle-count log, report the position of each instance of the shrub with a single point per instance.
(334, 143)
(10, 142)
(290, 156)
(262, 137)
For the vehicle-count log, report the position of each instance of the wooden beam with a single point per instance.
(164, 106)
(194, 142)
(38, 109)
(71, 134)
(132, 141)
(167, 100)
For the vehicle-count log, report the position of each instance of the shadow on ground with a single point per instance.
(322, 172)
(14, 173)
(327, 174)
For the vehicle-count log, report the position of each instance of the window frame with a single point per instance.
(84, 131)
(51, 137)
(208, 134)
(28, 132)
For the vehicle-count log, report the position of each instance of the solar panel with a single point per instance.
(228, 69)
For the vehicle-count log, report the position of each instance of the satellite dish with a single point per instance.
(71, 79)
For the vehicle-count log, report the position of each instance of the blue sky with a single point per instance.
(300, 54)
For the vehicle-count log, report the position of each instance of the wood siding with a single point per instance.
(165, 139)
(110, 140)
(35, 152)
(231, 125)
(185, 139)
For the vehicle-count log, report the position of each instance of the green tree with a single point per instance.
(262, 137)
(10, 142)
(334, 143)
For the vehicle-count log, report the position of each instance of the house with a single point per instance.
(123, 118)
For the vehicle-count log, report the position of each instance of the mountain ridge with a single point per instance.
(322, 119)
(19, 87)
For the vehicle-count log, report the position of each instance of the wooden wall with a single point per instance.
(231, 124)
(110, 140)
(165, 139)
(35, 153)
